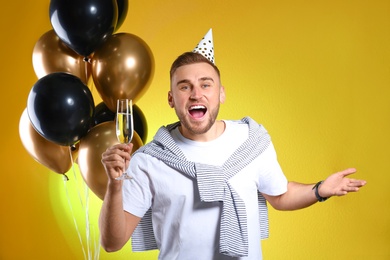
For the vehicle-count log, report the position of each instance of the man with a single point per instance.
(201, 181)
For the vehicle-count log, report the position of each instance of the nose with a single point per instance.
(196, 93)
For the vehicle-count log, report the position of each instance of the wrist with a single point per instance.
(317, 194)
(114, 185)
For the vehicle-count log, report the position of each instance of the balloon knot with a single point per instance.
(87, 59)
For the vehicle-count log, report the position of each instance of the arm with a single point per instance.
(300, 195)
(116, 225)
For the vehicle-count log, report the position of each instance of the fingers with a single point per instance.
(123, 150)
(347, 172)
(351, 185)
(116, 158)
(356, 183)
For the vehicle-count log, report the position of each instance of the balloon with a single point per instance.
(122, 68)
(103, 114)
(50, 55)
(83, 25)
(122, 12)
(140, 124)
(61, 108)
(55, 157)
(91, 149)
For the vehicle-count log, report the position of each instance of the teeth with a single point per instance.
(197, 107)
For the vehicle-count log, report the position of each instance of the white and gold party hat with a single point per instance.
(206, 46)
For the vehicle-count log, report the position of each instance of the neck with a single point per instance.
(213, 133)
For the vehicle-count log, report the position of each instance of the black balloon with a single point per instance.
(103, 114)
(83, 25)
(140, 125)
(123, 6)
(61, 108)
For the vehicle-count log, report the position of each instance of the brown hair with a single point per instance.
(191, 58)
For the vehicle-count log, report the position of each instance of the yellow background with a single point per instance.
(315, 73)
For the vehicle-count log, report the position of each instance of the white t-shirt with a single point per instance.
(185, 227)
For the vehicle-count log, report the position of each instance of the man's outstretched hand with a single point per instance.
(338, 184)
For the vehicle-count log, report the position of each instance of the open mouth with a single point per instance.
(197, 111)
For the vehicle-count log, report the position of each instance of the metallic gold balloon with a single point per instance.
(91, 149)
(53, 156)
(122, 67)
(50, 55)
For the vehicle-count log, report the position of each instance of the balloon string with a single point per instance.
(86, 69)
(90, 238)
(87, 231)
(97, 249)
(73, 215)
(76, 179)
(86, 210)
(87, 61)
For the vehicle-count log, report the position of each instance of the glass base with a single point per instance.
(124, 177)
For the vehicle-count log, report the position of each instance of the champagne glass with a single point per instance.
(124, 127)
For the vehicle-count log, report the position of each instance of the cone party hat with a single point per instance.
(206, 46)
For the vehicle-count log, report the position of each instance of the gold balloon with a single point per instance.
(50, 55)
(92, 146)
(53, 156)
(122, 67)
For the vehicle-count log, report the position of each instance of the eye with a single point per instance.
(184, 87)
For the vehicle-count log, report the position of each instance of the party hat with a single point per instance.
(206, 46)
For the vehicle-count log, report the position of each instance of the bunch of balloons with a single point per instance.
(61, 123)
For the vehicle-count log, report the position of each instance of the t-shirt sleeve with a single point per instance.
(272, 180)
(137, 194)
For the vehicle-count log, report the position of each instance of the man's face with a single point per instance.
(196, 94)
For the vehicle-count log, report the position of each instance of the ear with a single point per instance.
(222, 95)
(170, 99)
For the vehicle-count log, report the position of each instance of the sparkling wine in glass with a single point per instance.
(124, 127)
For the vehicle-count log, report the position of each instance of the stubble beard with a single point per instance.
(196, 128)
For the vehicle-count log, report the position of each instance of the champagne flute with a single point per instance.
(124, 127)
